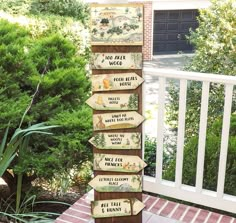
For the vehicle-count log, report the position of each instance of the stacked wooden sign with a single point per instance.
(117, 38)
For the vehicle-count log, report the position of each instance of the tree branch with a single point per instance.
(34, 95)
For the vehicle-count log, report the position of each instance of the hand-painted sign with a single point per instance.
(117, 24)
(115, 140)
(116, 61)
(116, 207)
(118, 163)
(118, 120)
(113, 102)
(121, 81)
(117, 183)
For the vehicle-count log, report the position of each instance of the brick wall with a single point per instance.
(147, 47)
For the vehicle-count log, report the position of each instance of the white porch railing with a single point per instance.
(195, 194)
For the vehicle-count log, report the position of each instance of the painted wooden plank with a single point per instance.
(115, 140)
(116, 61)
(160, 128)
(116, 207)
(120, 81)
(117, 183)
(117, 24)
(118, 120)
(113, 102)
(202, 136)
(118, 163)
(224, 140)
(181, 132)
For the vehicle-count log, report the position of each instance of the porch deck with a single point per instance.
(157, 210)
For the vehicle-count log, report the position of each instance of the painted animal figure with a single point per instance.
(100, 124)
(125, 187)
(123, 105)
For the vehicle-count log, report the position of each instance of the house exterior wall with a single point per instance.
(148, 31)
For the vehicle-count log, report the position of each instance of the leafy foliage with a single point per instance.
(215, 44)
(215, 39)
(213, 143)
(53, 62)
(72, 8)
(150, 156)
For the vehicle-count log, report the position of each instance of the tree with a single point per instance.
(133, 101)
(53, 62)
(214, 39)
(104, 21)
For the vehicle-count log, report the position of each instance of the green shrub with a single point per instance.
(53, 63)
(68, 8)
(213, 143)
(150, 156)
(71, 8)
(215, 39)
(16, 6)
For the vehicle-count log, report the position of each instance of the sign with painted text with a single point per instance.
(116, 61)
(120, 81)
(116, 207)
(118, 120)
(113, 102)
(117, 24)
(115, 140)
(117, 183)
(118, 163)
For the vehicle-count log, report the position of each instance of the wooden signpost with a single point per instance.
(116, 140)
(116, 207)
(116, 61)
(113, 102)
(117, 38)
(119, 82)
(114, 183)
(117, 120)
(118, 163)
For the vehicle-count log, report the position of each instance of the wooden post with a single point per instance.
(118, 48)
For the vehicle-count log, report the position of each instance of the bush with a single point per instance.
(70, 8)
(150, 156)
(215, 39)
(53, 63)
(213, 143)
(215, 42)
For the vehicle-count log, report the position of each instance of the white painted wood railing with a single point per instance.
(195, 194)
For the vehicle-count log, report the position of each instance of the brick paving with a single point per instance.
(157, 210)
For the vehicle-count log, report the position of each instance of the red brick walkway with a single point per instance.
(156, 210)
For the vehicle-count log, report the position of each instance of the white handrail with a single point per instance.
(196, 194)
(222, 79)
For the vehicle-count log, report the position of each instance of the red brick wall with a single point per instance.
(147, 47)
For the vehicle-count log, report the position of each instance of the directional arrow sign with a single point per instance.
(119, 120)
(116, 207)
(116, 61)
(121, 81)
(113, 101)
(118, 163)
(115, 140)
(117, 183)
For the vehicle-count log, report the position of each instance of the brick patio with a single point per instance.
(156, 210)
